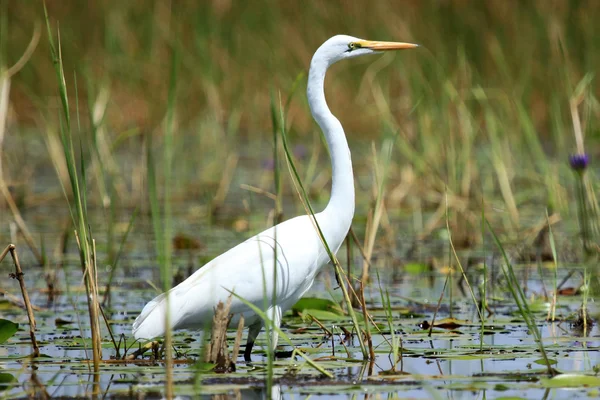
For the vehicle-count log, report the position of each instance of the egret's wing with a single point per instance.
(252, 270)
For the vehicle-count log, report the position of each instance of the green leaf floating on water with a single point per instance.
(571, 380)
(323, 315)
(6, 379)
(313, 303)
(416, 268)
(541, 361)
(7, 329)
(321, 309)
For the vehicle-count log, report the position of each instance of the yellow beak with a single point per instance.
(381, 46)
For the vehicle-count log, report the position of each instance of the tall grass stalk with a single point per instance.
(499, 161)
(483, 291)
(78, 205)
(161, 218)
(277, 215)
(533, 142)
(381, 165)
(276, 172)
(552, 316)
(587, 205)
(309, 210)
(106, 173)
(117, 257)
(439, 303)
(396, 341)
(270, 326)
(460, 267)
(5, 84)
(583, 211)
(587, 280)
(514, 287)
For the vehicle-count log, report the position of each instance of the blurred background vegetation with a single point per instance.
(482, 113)
(233, 52)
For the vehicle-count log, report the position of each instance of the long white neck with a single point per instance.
(341, 204)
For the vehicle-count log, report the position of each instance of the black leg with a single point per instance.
(253, 331)
(248, 351)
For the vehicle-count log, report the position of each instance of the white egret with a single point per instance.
(250, 268)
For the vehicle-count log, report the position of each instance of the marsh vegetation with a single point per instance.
(139, 140)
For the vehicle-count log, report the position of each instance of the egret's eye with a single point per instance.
(353, 46)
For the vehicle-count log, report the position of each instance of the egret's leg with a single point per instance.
(253, 331)
(274, 314)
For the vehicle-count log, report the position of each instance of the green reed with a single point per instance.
(78, 203)
(309, 210)
(162, 216)
(514, 287)
(444, 101)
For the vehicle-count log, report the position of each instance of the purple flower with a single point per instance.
(578, 161)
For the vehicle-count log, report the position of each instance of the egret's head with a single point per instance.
(341, 47)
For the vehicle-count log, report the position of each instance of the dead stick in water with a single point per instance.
(238, 339)
(19, 276)
(5, 78)
(16, 301)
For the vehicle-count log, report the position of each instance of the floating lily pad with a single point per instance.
(416, 268)
(313, 303)
(542, 361)
(7, 329)
(6, 380)
(571, 380)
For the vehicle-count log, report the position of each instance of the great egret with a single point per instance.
(294, 259)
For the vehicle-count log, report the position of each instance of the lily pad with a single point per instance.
(416, 268)
(7, 329)
(5, 380)
(322, 315)
(313, 303)
(571, 380)
(541, 361)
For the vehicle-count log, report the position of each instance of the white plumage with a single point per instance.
(248, 269)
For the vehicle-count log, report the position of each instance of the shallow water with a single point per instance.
(450, 364)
